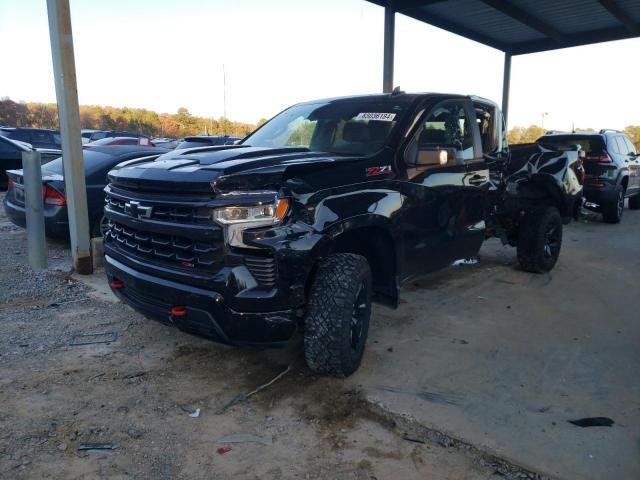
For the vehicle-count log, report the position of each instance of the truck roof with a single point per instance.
(376, 97)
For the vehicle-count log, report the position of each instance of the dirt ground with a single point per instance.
(139, 395)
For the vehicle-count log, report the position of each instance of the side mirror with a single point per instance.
(432, 156)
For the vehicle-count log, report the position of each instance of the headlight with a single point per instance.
(237, 219)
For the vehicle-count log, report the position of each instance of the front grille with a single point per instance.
(166, 249)
(166, 213)
(263, 269)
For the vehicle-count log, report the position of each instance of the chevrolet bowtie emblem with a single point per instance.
(137, 210)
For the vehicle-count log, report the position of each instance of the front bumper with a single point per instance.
(56, 221)
(207, 315)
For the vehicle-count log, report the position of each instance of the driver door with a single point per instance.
(446, 173)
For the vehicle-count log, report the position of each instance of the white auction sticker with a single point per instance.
(380, 117)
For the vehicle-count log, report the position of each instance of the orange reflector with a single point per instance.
(117, 284)
(178, 311)
(281, 209)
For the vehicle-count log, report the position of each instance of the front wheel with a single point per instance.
(539, 240)
(99, 227)
(337, 320)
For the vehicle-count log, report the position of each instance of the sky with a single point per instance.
(163, 55)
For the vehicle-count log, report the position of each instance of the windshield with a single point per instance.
(349, 127)
(589, 143)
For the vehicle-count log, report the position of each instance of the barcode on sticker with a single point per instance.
(380, 117)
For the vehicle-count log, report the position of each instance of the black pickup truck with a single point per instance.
(327, 207)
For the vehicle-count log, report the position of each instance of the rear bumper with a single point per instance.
(207, 315)
(598, 196)
(56, 221)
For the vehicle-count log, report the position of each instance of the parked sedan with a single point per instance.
(100, 134)
(207, 141)
(97, 162)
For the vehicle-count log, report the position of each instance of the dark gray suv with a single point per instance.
(612, 167)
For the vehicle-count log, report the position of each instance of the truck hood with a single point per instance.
(225, 168)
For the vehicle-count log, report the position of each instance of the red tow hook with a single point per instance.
(116, 284)
(178, 311)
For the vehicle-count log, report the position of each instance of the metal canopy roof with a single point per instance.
(527, 26)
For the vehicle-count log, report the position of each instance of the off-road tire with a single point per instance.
(540, 240)
(612, 210)
(340, 294)
(634, 202)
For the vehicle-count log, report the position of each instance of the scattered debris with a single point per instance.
(62, 446)
(57, 304)
(98, 375)
(592, 422)
(223, 450)
(242, 397)
(413, 439)
(134, 375)
(465, 261)
(97, 446)
(91, 338)
(247, 438)
(192, 412)
(133, 433)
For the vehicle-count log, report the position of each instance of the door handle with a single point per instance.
(477, 180)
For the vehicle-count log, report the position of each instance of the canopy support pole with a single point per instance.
(64, 74)
(506, 81)
(389, 39)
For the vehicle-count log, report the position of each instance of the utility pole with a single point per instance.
(544, 114)
(64, 73)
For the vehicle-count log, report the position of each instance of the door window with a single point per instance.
(630, 146)
(622, 147)
(613, 145)
(446, 128)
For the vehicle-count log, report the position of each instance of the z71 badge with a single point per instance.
(375, 171)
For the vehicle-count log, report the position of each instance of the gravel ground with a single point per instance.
(135, 394)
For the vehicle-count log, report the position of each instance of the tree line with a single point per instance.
(138, 120)
(181, 123)
(533, 132)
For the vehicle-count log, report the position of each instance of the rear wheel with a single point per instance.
(540, 240)
(612, 210)
(634, 202)
(337, 320)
